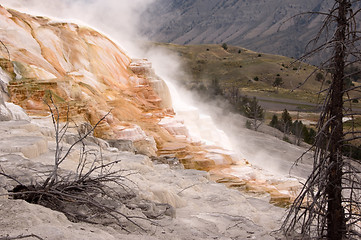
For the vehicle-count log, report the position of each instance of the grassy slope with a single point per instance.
(207, 62)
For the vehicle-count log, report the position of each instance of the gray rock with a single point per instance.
(23, 170)
(172, 161)
(122, 145)
(3, 194)
(23, 126)
(156, 210)
(29, 146)
(4, 80)
(89, 141)
(5, 113)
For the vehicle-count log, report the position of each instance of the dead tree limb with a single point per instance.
(328, 206)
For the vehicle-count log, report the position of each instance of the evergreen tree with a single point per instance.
(274, 122)
(254, 111)
(278, 82)
(286, 122)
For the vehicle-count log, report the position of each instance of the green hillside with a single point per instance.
(253, 73)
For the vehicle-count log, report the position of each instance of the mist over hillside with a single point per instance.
(262, 25)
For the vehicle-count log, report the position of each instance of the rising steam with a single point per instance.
(118, 19)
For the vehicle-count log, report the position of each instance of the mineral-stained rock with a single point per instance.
(141, 67)
(133, 133)
(174, 126)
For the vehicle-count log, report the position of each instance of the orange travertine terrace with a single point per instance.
(88, 72)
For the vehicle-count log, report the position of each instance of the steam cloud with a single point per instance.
(118, 19)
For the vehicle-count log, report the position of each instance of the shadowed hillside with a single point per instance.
(251, 24)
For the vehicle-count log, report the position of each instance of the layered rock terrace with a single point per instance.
(89, 76)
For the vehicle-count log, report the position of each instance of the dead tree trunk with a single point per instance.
(336, 224)
(328, 206)
(335, 213)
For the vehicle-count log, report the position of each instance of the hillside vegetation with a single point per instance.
(230, 70)
(253, 73)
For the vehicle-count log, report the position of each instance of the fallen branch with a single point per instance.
(21, 237)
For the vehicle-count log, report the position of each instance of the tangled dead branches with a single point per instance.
(329, 205)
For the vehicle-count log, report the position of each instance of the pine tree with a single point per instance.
(278, 82)
(286, 122)
(254, 111)
(274, 121)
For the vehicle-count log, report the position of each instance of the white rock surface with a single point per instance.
(17, 112)
(5, 114)
(9, 111)
(21, 218)
(203, 209)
